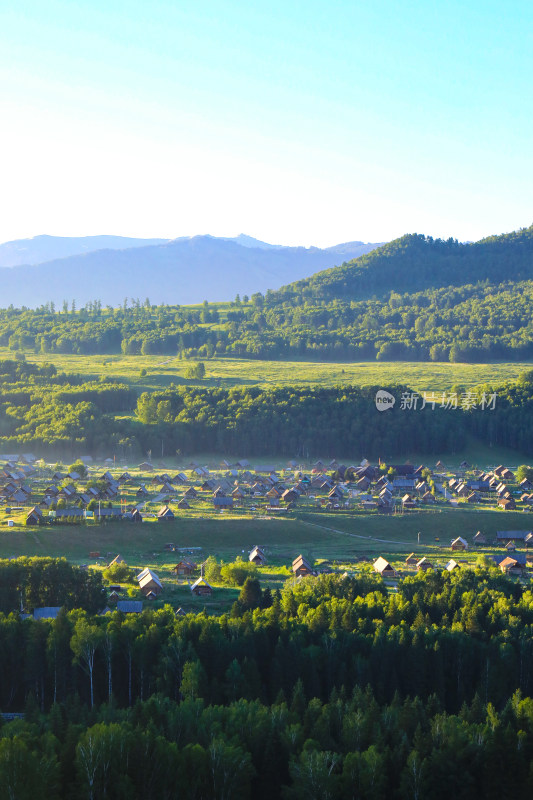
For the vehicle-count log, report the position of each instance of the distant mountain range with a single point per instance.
(184, 270)
(48, 248)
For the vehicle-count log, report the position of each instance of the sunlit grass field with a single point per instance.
(161, 371)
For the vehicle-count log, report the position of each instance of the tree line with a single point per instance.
(486, 320)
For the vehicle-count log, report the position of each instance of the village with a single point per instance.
(39, 496)
(48, 494)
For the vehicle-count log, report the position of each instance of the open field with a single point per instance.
(347, 542)
(317, 535)
(226, 372)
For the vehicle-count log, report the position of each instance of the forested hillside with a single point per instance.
(332, 688)
(471, 323)
(415, 299)
(50, 412)
(416, 262)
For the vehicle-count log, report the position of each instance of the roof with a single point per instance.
(130, 606)
(512, 534)
(300, 562)
(165, 512)
(223, 501)
(519, 557)
(200, 582)
(382, 564)
(148, 577)
(451, 565)
(510, 562)
(46, 612)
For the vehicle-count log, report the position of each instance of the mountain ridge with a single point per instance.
(415, 262)
(183, 271)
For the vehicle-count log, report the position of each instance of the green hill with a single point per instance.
(416, 262)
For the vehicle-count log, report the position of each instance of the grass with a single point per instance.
(341, 539)
(317, 535)
(227, 372)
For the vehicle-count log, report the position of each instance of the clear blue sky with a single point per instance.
(296, 122)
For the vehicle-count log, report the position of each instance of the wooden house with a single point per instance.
(34, 517)
(511, 566)
(290, 496)
(201, 588)
(257, 557)
(408, 502)
(411, 560)
(184, 568)
(385, 569)
(149, 582)
(223, 502)
(46, 612)
(424, 564)
(480, 538)
(301, 567)
(165, 514)
(459, 544)
(507, 503)
(117, 560)
(502, 537)
(190, 493)
(451, 565)
(130, 606)
(183, 504)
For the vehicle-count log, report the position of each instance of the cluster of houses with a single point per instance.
(330, 485)
(500, 484)
(510, 561)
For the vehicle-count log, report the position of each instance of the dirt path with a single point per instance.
(353, 535)
(360, 536)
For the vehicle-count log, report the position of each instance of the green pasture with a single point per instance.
(163, 370)
(321, 535)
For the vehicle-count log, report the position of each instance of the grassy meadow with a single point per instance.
(161, 371)
(334, 536)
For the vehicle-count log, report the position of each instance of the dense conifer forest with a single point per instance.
(331, 688)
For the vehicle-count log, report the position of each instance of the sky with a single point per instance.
(299, 123)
